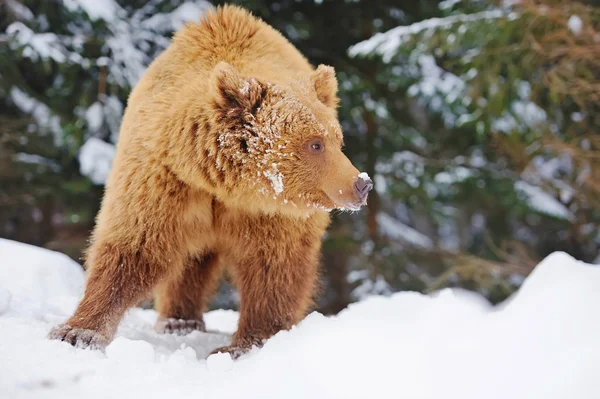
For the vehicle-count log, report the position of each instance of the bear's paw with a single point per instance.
(171, 325)
(79, 337)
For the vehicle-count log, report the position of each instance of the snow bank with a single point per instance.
(37, 282)
(543, 343)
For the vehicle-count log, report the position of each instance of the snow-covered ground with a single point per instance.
(542, 344)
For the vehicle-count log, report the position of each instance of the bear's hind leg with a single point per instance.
(117, 281)
(182, 300)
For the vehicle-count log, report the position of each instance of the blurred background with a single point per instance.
(479, 122)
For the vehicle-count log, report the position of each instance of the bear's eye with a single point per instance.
(316, 146)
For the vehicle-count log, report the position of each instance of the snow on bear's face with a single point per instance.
(285, 143)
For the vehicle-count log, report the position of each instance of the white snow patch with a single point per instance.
(19, 10)
(36, 45)
(395, 229)
(94, 116)
(543, 202)
(577, 117)
(448, 4)
(276, 179)
(40, 112)
(435, 79)
(245, 88)
(95, 159)
(387, 43)
(380, 184)
(188, 11)
(575, 24)
(173, 21)
(530, 113)
(364, 176)
(95, 9)
(456, 175)
(524, 115)
(37, 160)
(543, 343)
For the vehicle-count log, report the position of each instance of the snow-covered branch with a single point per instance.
(386, 44)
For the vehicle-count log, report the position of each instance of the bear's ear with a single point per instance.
(234, 95)
(326, 85)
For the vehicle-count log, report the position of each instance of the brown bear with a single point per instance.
(229, 154)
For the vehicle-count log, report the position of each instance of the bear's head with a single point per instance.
(283, 142)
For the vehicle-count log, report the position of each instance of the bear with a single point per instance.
(229, 158)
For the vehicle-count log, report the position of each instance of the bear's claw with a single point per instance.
(240, 349)
(78, 337)
(234, 351)
(178, 326)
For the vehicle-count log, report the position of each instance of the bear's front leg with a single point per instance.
(276, 287)
(117, 281)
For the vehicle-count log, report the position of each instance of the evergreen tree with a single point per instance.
(498, 165)
(476, 119)
(66, 69)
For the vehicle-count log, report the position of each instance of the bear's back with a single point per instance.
(233, 35)
(182, 71)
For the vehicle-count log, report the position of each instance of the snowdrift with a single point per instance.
(544, 343)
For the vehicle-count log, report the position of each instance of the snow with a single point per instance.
(386, 44)
(37, 160)
(134, 37)
(40, 112)
(439, 87)
(276, 179)
(542, 343)
(5, 298)
(448, 4)
(38, 280)
(529, 113)
(395, 229)
(219, 362)
(368, 288)
(364, 176)
(543, 202)
(524, 115)
(575, 24)
(95, 160)
(94, 116)
(95, 9)
(129, 351)
(44, 45)
(20, 11)
(188, 11)
(403, 165)
(456, 175)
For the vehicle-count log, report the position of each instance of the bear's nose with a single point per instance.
(362, 187)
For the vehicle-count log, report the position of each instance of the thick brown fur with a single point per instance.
(215, 167)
